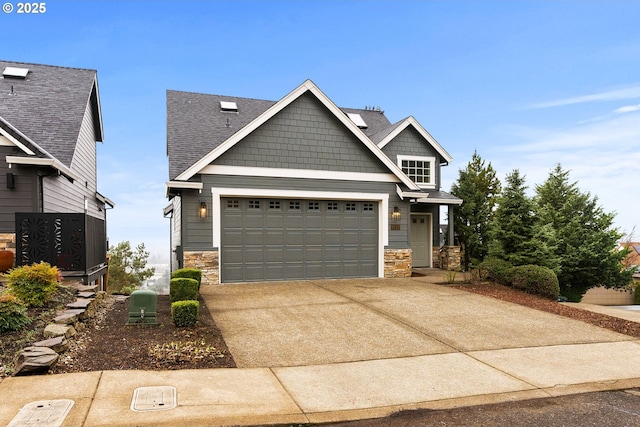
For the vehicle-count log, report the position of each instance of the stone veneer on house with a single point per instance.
(8, 242)
(205, 261)
(397, 263)
(450, 258)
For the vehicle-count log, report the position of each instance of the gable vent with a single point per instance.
(228, 106)
(358, 120)
(16, 72)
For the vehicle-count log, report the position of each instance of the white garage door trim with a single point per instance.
(381, 198)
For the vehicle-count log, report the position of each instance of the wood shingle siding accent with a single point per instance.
(304, 135)
(410, 143)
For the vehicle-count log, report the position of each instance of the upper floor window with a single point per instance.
(420, 170)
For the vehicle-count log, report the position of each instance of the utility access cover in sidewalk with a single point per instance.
(154, 398)
(44, 413)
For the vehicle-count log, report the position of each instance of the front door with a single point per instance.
(420, 234)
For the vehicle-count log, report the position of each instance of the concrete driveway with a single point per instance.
(321, 322)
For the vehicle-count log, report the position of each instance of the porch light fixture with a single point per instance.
(396, 215)
(202, 211)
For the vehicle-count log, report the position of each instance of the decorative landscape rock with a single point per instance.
(57, 344)
(35, 360)
(86, 304)
(68, 317)
(55, 330)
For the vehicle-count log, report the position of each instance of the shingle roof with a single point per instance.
(49, 104)
(196, 125)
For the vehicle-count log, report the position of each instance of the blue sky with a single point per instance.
(528, 84)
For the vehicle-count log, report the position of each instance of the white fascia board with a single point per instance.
(410, 194)
(435, 201)
(422, 131)
(308, 85)
(298, 173)
(38, 161)
(182, 185)
(15, 142)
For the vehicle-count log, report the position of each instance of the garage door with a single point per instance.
(282, 239)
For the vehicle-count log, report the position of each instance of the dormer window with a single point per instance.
(228, 106)
(420, 170)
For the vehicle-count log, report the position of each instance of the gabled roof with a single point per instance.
(227, 133)
(388, 135)
(48, 105)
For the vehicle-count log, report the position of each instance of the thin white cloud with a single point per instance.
(627, 109)
(630, 92)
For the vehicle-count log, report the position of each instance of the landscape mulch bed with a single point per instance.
(107, 343)
(505, 293)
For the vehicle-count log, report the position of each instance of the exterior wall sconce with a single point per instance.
(11, 181)
(202, 210)
(396, 215)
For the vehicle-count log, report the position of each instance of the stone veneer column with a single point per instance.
(397, 263)
(450, 258)
(205, 261)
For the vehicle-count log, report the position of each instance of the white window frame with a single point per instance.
(432, 167)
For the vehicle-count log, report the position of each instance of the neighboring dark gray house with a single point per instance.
(301, 189)
(50, 208)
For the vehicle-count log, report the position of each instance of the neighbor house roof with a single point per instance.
(47, 106)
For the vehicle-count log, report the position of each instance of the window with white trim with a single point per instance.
(420, 170)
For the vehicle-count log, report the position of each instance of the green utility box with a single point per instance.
(142, 308)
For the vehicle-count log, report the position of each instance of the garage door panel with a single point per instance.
(281, 239)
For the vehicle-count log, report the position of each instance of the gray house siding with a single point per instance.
(410, 143)
(304, 135)
(23, 198)
(199, 232)
(61, 195)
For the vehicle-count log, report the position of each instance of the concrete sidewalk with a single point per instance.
(451, 349)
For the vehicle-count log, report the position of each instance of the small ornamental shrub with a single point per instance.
(535, 279)
(636, 294)
(191, 273)
(497, 270)
(182, 289)
(13, 314)
(34, 284)
(185, 313)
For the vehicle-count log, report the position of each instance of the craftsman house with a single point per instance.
(300, 189)
(50, 209)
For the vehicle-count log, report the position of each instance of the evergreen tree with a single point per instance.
(517, 236)
(478, 187)
(127, 269)
(585, 239)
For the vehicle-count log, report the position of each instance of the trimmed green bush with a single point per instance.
(185, 313)
(535, 279)
(183, 289)
(636, 294)
(13, 314)
(191, 273)
(34, 284)
(497, 270)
